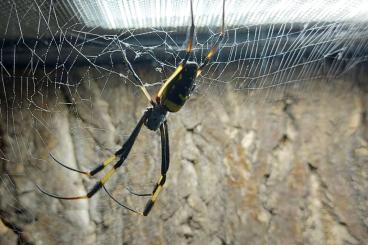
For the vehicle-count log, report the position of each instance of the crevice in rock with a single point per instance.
(291, 126)
(322, 188)
(194, 162)
(312, 167)
(263, 201)
(193, 130)
(222, 240)
(23, 238)
(288, 102)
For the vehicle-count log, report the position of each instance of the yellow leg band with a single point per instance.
(159, 180)
(107, 176)
(155, 195)
(143, 88)
(109, 160)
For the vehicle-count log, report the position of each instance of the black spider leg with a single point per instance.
(165, 155)
(91, 173)
(121, 153)
(137, 194)
(102, 165)
(215, 46)
(119, 203)
(191, 35)
(164, 168)
(70, 168)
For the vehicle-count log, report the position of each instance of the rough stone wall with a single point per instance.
(244, 169)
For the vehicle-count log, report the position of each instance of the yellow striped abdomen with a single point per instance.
(177, 89)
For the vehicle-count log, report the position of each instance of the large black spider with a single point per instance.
(171, 97)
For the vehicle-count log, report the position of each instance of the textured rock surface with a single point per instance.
(244, 169)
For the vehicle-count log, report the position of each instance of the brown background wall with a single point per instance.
(279, 166)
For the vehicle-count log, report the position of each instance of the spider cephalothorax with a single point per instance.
(171, 97)
(156, 117)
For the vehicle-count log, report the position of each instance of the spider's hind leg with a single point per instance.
(98, 185)
(122, 154)
(164, 168)
(165, 154)
(136, 193)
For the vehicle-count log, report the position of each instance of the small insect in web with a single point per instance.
(171, 97)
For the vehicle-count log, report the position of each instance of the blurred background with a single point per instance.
(272, 147)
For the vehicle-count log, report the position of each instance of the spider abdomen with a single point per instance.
(177, 91)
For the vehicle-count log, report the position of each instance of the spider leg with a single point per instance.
(92, 191)
(94, 171)
(188, 52)
(135, 75)
(109, 160)
(191, 35)
(138, 194)
(119, 203)
(164, 168)
(214, 48)
(121, 153)
(164, 155)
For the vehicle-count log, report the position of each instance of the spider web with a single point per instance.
(61, 57)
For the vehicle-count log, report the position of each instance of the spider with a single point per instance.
(171, 97)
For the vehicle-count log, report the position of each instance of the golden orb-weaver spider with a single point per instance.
(170, 98)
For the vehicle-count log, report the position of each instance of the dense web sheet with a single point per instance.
(51, 49)
(266, 45)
